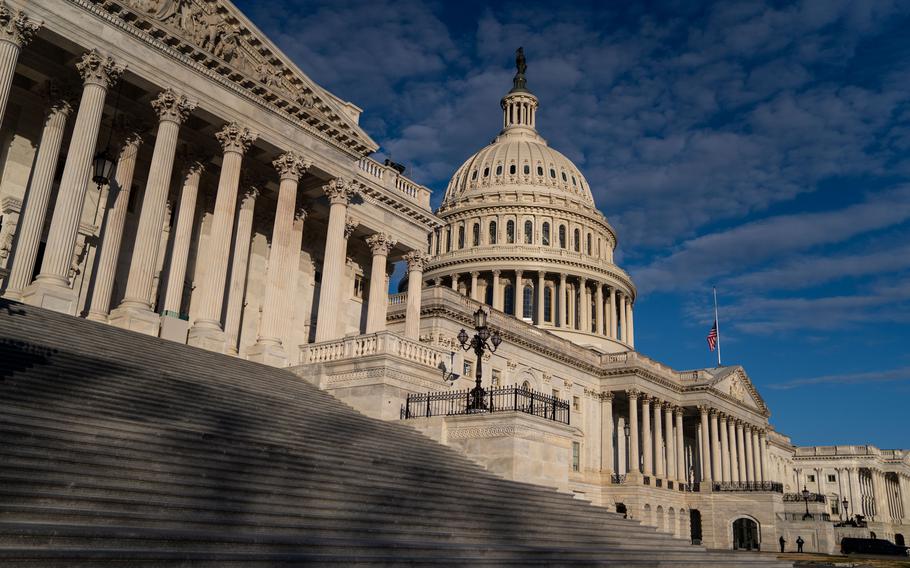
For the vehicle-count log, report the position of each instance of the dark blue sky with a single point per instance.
(760, 147)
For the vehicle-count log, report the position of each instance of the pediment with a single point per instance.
(737, 385)
(217, 36)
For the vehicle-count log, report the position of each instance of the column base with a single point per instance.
(97, 316)
(174, 329)
(207, 338)
(132, 318)
(268, 354)
(51, 295)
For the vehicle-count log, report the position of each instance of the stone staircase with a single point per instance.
(118, 449)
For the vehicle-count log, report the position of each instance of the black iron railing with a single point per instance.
(798, 497)
(772, 486)
(618, 478)
(500, 399)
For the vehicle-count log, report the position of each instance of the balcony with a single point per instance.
(748, 486)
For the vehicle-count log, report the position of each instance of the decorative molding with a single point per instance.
(98, 69)
(339, 191)
(380, 243)
(16, 27)
(290, 166)
(172, 106)
(235, 138)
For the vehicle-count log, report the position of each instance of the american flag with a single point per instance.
(712, 337)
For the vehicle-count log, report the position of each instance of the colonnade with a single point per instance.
(565, 301)
(228, 248)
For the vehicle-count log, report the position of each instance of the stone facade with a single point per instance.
(245, 216)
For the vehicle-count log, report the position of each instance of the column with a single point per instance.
(377, 305)
(741, 452)
(584, 317)
(611, 321)
(659, 470)
(715, 447)
(339, 193)
(624, 329)
(599, 308)
(634, 460)
(239, 267)
(630, 319)
(756, 458)
(541, 282)
(135, 311)
(669, 441)
(878, 496)
(16, 31)
(113, 231)
(606, 433)
(855, 505)
(646, 442)
(52, 287)
(473, 293)
(561, 300)
(283, 262)
(519, 295)
(734, 460)
(706, 446)
(455, 282)
(206, 332)
(183, 235)
(497, 293)
(416, 263)
(724, 450)
(681, 474)
(750, 469)
(31, 222)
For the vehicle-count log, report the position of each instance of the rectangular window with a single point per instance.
(496, 378)
(576, 404)
(468, 369)
(811, 478)
(831, 478)
(576, 456)
(555, 393)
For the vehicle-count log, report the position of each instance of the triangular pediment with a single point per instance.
(222, 42)
(735, 383)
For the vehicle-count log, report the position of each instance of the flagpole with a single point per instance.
(716, 325)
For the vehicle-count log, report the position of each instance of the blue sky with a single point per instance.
(760, 147)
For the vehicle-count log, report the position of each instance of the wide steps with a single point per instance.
(118, 449)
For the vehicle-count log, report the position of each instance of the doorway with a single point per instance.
(695, 526)
(899, 539)
(745, 534)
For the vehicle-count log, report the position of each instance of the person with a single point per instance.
(782, 543)
(799, 544)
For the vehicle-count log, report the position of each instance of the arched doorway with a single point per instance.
(695, 526)
(899, 539)
(745, 534)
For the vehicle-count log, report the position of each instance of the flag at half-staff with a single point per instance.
(712, 337)
(714, 334)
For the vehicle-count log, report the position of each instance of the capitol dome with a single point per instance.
(523, 235)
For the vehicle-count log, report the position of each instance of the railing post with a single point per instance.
(428, 404)
(407, 406)
(515, 397)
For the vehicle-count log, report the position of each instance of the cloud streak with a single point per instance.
(887, 376)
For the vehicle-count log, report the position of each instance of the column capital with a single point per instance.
(668, 406)
(16, 27)
(291, 166)
(475, 273)
(633, 394)
(128, 133)
(607, 396)
(60, 96)
(519, 273)
(704, 409)
(562, 278)
(98, 69)
(497, 272)
(171, 106)
(678, 410)
(235, 138)
(416, 260)
(380, 243)
(302, 211)
(350, 225)
(339, 190)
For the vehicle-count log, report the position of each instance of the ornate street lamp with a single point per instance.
(448, 373)
(845, 510)
(481, 342)
(806, 499)
(102, 168)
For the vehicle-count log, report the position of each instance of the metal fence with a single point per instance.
(500, 399)
(772, 486)
(798, 497)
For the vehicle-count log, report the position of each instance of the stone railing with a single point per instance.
(379, 343)
(398, 299)
(634, 357)
(765, 486)
(813, 451)
(389, 178)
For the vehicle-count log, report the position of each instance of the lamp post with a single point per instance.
(481, 342)
(806, 499)
(628, 432)
(845, 510)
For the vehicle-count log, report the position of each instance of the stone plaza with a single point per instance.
(166, 169)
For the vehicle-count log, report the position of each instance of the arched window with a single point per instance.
(539, 170)
(508, 300)
(527, 302)
(461, 236)
(547, 308)
(512, 169)
(552, 173)
(589, 244)
(448, 239)
(474, 175)
(437, 241)
(510, 231)
(527, 169)
(493, 232)
(499, 170)
(577, 245)
(529, 232)
(562, 236)
(564, 177)
(526, 385)
(545, 234)
(475, 234)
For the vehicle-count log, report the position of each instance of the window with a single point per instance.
(552, 173)
(527, 307)
(499, 170)
(468, 369)
(510, 231)
(576, 456)
(529, 232)
(547, 299)
(573, 181)
(527, 169)
(545, 235)
(492, 232)
(475, 234)
(497, 378)
(811, 478)
(562, 236)
(512, 169)
(526, 385)
(437, 243)
(831, 478)
(461, 236)
(564, 177)
(358, 286)
(486, 172)
(508, 300)
(589, 244)
(576, 404)
(577, 235)
(540, 170)
(449, 239)
(555, 393)
(474, 175)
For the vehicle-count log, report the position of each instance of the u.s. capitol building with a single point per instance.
(166, 169)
